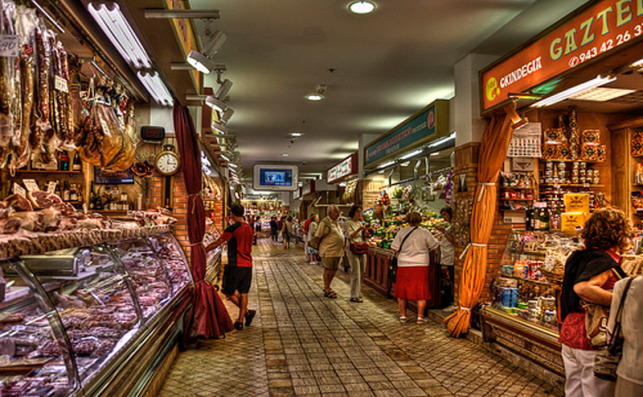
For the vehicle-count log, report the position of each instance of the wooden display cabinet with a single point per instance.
(624, 166)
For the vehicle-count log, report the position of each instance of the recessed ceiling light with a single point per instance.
(296, 134)
(602, 94)
(314, 97)
(361, 7)
(284, 154)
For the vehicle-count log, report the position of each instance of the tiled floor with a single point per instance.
(303, 344)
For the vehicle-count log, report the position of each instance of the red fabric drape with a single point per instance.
(208, 317)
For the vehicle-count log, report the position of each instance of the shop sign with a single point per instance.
(308, 188)
(185, 34)
(432, 120)
(597, 30)
(346, 167)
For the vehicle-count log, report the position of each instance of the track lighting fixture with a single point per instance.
(202, 61)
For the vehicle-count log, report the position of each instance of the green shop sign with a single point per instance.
(431, 122)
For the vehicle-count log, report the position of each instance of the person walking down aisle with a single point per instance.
(356, 251)
(331, 248)
(312, 229)
(412, 245)
(629, 381)
(447, 257)
(274, 232)
(590, 275)
(287, 231)
(237, 275)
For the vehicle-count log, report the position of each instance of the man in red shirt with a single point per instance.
(237, 274)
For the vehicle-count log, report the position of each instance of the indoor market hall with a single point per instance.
(303, 344)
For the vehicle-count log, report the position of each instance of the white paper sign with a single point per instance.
(51, 187)
(17, 189)
(31, 185)
(61, 84)
(9, 45)
(85, 210)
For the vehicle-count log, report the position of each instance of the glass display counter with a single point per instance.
(73, 322)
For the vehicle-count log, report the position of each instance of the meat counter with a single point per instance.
(92, 320)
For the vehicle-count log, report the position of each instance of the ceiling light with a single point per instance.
(155, 86)
(224, 89)
(638, 63)
(215, 103)
(387, 164)
(435, 154)
(233, 165)
(201, 60)
(48, 16)
(361, 7)
(576, 90)
(225, 117)
(296, 134)
(284, 154)
(443, 140)
(219, 128)
(120, 33)
(314, 97)
(409, 155)
(223, 156)
(601, 94)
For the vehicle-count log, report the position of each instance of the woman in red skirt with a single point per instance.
(412, 245)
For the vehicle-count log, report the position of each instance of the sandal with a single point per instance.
(330, 294)
(357, 300)
(403, 319)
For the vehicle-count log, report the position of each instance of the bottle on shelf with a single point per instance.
(64, 161)
(66, 191)
(77, 165)
(57, 191)
(73, 193)
(98, 205)
(544, 219)
(529, 216)
(92, 197)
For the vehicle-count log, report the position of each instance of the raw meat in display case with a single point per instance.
(34, 359)
(152, 283)
(172, 255)
(94, 302)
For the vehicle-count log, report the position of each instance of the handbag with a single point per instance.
(392, 267)
(596, 317)
(359, 248)
(606, 361)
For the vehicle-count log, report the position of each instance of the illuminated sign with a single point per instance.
(595, 31)
(344, 168)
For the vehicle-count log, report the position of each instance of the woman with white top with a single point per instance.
(412, 280)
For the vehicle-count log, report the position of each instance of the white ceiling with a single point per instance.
(380, 68)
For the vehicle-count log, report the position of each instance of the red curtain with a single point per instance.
(208, 317)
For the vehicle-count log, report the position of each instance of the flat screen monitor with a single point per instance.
(273, 177)
(107, 177)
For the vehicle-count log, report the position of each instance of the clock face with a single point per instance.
(167, 163)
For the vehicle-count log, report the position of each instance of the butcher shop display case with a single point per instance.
(213, 264)
(93, 320)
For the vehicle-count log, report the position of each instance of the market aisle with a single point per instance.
(304, 344)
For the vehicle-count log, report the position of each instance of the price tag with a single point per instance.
(31, 185)
(60, 84)
(105, 128)
(586, 185)
(51, 187)
(9, 45)
(17, 189)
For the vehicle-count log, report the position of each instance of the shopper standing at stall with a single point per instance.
(590, 275)
(274, 231)
(237, 275)
(412, 246)
(629, 382)
(447, 257)
(331, 248)
(287, 231)
(305, 236)
(312, 229)
(356, 251)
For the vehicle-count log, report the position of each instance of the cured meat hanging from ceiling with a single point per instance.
(48, 104)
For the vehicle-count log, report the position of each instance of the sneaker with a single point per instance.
(449, 309)
(403, 319)
(238, 325)
(421, 320)
(249, 316)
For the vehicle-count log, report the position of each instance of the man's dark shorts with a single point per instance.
(236, 279)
